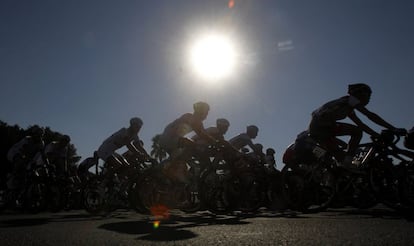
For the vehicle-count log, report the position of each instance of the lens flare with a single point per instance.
(156, 224)
(231, 4)
(160, 211)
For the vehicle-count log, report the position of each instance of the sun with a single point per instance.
(213, 57)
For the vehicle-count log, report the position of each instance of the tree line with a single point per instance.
(11, 134)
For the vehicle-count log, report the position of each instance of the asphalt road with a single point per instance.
(377, 226)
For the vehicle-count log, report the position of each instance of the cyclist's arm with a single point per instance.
(363, 126)
(375, 118)
(136, 148)
(200, 131)
(253, 147)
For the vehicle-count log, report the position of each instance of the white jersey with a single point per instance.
(116, 141)
(37, 161)
(18, 148)
(212, 131)
(177, 129)
(54, 150)
(240, 141)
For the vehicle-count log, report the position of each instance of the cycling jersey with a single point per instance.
(241, 141)
(115, 141)
(212, 131)
(86, 164)
(26, 147)
(180, 127)
(55, 150)
(334, 110)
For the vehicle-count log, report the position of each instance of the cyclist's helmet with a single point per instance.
(221, 122)
(37, 131)
(259, 147)
(270, 151)
(136, 122)
(359, 89)
(65, 139)
(252, 128)
(201, 107)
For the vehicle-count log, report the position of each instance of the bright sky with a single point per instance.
(84, 68)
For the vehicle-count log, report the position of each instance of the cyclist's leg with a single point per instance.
(345, 129)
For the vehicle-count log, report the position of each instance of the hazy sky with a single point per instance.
(84, 68)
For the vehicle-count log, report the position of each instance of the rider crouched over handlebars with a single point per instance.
(123, 137)
(325, 125)
(173, 140)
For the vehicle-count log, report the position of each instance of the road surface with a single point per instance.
(376, 226)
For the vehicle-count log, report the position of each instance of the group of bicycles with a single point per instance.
(314, 180)
(222, 181)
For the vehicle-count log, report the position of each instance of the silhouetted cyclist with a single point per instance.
(245, 139)
(174, 142)
(57, 155)
(121, 138)
(173, 138)
(217, 132)
(20, 155)
(83, 168)
(325, 125)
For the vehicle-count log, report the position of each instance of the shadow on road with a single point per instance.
(380, 211)
(383, 213)
(174, 228)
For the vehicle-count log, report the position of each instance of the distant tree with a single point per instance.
(9, 135)
(51, 136)
(157, 151)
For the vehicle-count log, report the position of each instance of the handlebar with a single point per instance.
(390, 136)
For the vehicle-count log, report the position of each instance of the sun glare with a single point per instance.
(213, 57)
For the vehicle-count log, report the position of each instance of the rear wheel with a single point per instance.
(385, 185)
(213, 193)
(134, 197)
(35, 198)
(148, 194)
(94, 198)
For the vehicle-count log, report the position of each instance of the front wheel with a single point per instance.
(308, 191)
(193, 198)
(94, 200)
(35, 198)
(213, 192)
(275, 199)
(251, 196)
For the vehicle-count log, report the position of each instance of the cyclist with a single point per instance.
(121, 138)
(325, 125)
(270, 159)
(56, 153)
(217, 132)
(245, 139)
(173, 138)
(20, 155)
(178, 147)
(83, 168)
